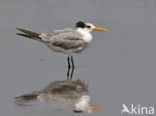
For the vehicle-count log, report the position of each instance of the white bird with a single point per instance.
(66, 41)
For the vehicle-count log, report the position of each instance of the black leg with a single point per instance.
(71, 75)
(68, 60)
(72, 61)
(68, 72)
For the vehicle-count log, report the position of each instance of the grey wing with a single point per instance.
(64, 30)
(68, 40)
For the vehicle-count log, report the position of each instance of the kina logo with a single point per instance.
(137, 110)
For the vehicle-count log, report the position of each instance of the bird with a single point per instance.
(67, 41)
(63, 92)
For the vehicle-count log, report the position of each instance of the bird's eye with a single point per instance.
(88, 26)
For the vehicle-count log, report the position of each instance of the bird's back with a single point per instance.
(65, 41)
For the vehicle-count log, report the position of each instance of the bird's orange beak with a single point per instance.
(99, 29)
(97, 108)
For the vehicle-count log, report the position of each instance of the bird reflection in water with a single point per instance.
(64, 92)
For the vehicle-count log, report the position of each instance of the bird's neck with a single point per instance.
(86, 35)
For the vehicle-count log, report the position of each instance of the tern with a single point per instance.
(67, 41)
(63, 92)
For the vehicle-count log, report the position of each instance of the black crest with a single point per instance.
(80, 24)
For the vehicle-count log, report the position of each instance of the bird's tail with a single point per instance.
(27, 97)
(29, 34)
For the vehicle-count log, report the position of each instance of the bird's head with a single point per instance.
(83, 105)
(89, 27)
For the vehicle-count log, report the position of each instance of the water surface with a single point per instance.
(119, 66)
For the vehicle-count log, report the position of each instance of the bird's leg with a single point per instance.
(68, 72)
(68, 60)
(72, 61)
(71, 75)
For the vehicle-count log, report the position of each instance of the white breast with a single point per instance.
(86, 35)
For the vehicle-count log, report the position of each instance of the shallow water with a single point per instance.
(119, 66)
